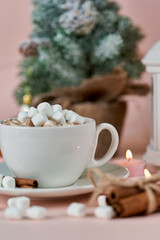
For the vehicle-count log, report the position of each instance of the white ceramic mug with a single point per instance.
(55, 156)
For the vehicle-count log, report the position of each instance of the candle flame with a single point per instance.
(129, 155)
(147, 173)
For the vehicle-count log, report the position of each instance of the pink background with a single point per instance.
(15, 25)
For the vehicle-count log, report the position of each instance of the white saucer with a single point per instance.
(81, 186)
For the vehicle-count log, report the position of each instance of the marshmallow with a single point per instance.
(104, 212)
(22, 202)
(102, 201)
(11, 202)
(49, 123)
(57, 108)
(39, 119)
(76, 210)
(13, 213)
(75, 118)
(1, 177)
(19, 202)
(8, 182)
(58, 117)
(22, 116)
(45, 108)
(36, 212)
(69, 114)
(64, 111)
(32, 112)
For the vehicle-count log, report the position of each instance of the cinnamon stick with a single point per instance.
(114, 194)
(133, 205)
(28, 182)
(26, 186)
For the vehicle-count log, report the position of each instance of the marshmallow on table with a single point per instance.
(104, 212)
(49, 123)
(76, 210)
(22, 116)
(23, 202)
(13, 213)
(11, 202)
(36, 212)
(32, 112)
(39, 119)
(20, 202)
(58, 117)
(46, 108)
(102, 201)
(57, 108)
(8, 182)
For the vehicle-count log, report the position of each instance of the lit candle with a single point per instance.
(147, 173)
(135, 166)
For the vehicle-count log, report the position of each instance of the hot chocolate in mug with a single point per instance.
(55, 156)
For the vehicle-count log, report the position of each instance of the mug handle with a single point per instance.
(112, 148)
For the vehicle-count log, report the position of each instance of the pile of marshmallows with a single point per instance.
(102, 211)
(50, 115)
(19, 207)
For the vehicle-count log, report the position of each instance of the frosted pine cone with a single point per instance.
(80, 18)
(29, 48)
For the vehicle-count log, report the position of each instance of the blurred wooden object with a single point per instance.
(112, 113)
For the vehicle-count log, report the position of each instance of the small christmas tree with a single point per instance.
(75, 40)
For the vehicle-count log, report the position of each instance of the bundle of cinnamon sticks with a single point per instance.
(127, 197)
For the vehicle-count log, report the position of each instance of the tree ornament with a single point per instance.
(29, 47)
(79, 18)
(27, 98)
